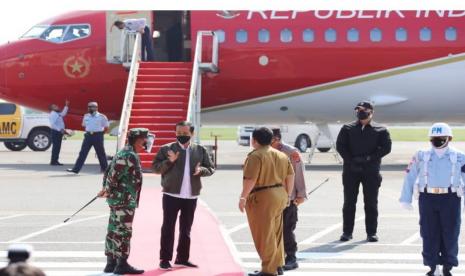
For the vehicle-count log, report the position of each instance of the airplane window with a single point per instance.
(76, 31)
(352, 35)
(401, 34)
(425, 34)
(35, 31)
(451, 34)
(264, 36)
(376, 35)
(330, 35)
(241, 36)
(221, 35)
(7, 108)
(286, 36)
(308, 35)
(53, 33)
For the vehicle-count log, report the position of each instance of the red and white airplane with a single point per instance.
(275, 66)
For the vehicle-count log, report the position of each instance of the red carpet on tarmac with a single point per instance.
(209, 249)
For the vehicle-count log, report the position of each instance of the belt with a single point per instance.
(439, 190)
(265, 187)
(93, 132)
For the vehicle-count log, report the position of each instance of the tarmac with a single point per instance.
(36, 198)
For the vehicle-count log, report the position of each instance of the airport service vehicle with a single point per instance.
(23, 127)
(301, 136)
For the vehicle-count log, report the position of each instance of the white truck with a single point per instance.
(22, 127)
(302, 136)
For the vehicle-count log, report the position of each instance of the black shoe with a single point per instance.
(431, 272)
(123, 267)
(259, 273)
(111, 264)
(72, 170)
(345, 237)
(165, 265)
(280, 271)
(372, 238)
(56, 164)
(446, 270)
(186, 264)
(290, 266)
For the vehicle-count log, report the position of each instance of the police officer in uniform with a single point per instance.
(362, 144)
(267, 185)
(122, 185)
(95, 124)
(298, 196)
(437, 176)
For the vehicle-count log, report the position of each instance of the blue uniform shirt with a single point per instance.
(56, 119)
(96, 122)
(439, 172)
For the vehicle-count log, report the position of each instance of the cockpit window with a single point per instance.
(54, 33)
(35, 31)
(76, 31)
(59, 33)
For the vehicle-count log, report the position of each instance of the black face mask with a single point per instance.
(91, 110)
(363, 115)
(439, 142)
(183, 139)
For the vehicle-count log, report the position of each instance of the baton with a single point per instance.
(326, 180)
(66, 220)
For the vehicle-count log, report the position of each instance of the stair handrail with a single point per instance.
(129, 94)
(198, 67)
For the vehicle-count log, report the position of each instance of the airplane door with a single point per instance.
(174, 40)
(114, 35)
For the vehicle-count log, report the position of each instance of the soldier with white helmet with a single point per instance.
(436, 176)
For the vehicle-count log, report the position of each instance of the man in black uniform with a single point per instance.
(362, 144)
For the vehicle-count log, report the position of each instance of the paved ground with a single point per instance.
(36, 198)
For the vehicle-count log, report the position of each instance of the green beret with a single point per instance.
(138, 132)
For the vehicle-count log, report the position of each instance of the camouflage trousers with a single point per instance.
(118, 240)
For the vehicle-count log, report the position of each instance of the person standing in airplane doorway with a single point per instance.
(139, 25)
(362, 144)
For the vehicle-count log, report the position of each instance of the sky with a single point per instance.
(19, 21)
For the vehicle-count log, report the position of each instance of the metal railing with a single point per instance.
(128, 41)
(129, 95)
(199, 67)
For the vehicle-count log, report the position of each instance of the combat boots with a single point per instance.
(111, 264)
(123, 267)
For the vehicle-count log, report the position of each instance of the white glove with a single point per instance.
(406, 206)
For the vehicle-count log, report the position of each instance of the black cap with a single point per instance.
(364, 104)
(276, 132)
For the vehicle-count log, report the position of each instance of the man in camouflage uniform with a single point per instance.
(122, 184)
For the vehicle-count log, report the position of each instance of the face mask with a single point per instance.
(362, 115)
(183, 139)
(91, 110)
(439, 142)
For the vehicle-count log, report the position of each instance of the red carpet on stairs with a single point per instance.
(209, 249)
(160, 101)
